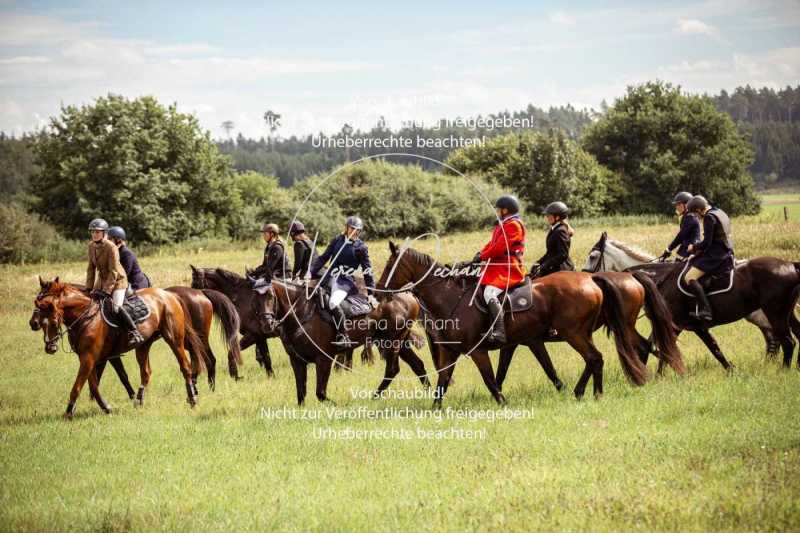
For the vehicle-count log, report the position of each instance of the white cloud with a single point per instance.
(696, 27)
(560, 17)
(24, 60)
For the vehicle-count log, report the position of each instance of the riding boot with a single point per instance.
(498, 333)
(339, 321)
(704, 307)
(133, 332)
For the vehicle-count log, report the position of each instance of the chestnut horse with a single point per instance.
(202, 306)
(308, 338)
(570, 302)
(61, 304)
(638, 291)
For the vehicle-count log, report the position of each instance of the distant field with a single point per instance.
(773, 206)
(707, 452)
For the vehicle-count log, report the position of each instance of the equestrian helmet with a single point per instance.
(682, 198)
(116, 232)
(697, 203)
(508, 202)
(558, 209)
(98, 224)
(355, 222)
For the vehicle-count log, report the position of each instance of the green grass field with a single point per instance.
(708, 451)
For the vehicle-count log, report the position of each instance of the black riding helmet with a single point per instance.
(116, 232)
(297, 228)
(508, 202)
(697, 204)
(682, 197)
(558, 209)
(98, 224)
(355, 222)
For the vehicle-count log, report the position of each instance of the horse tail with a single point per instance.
(661, 321)
(191, 340)
(229, 322)
(612, 314)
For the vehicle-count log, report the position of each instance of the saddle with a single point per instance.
(134, 305)
(517, 298)
(712, 283)
(355, 305)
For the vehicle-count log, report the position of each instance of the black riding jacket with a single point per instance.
(556, 257)
(304, 256)
(275, 262)
(688, 234)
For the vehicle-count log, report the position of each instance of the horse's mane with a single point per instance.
(633, 251)
(231, 277)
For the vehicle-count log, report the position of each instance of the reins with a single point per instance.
(65, 331)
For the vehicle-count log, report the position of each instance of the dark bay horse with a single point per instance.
(766, 283)
(308, 337)
(202, 307)
(61, 305)
(570, 302)
(253, 327)
(637, 291)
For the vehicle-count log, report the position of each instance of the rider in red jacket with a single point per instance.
(502, 258)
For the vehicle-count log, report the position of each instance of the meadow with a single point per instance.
(709, 451)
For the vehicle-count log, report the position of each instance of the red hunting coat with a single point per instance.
(507, 238)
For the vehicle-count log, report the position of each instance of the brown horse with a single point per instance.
(202, 306)
(254, 328)
(637, 291)
(62, 305)
(308, 337)
(570, 302)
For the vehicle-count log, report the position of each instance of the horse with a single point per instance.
(764, 292)
(637, 291)
(62, 305)
(570, 302)
(308, 337)
(254, 329)
(202, 306)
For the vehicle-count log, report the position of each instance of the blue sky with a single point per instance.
(323, 64)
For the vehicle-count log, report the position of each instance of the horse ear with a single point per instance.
(41, 282)
(604, 235)
(193, 268)
(55, 281)
(392, 247)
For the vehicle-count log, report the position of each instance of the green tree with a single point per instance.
(540, 168)
(136, 163)
(659, 140)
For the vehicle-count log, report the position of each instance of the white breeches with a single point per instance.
(490, 292)
(118, 298)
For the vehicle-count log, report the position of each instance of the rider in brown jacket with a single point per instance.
(106, 277)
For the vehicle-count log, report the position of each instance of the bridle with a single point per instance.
(62, 331)
(269, 316)
(601, 261)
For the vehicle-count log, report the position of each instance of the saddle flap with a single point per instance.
(520, 298)
(134, 305)
(712, 283)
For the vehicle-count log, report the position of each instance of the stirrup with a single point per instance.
(702, 314)
(135, 338)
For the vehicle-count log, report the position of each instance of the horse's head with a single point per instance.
(596, 259)
(199, 280)
(48, 313)
(404, 267)
(279, 299)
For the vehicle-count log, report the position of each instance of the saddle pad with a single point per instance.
(356, 305)
(519, 298)
(715, 284)
(134, 305)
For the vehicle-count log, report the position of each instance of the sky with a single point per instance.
(321, 64)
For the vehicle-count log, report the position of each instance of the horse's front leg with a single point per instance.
(86, 368)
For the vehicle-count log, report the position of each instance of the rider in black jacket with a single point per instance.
(304, 252)
(556, 258)
(136, 278)
(275, 262)
(689, 232)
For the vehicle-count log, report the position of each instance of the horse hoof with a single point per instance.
(559, 386)
(270, 374)
(68, 416)
(501, 399)
(108, 410)
(137, 402)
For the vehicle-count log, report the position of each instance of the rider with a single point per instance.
(690, 228)
(556, 257)
(347, 253)
(304, 252)
(712, 255)
(275, 263)
(503, 258)
(136, 278)
(105, 275)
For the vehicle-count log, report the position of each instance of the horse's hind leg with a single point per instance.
(211, 365)
(594, 365)
(711, 344)
(175, 340)
(391, 371)
(143, 358)
(323, 363)
(540, 352)
(95, 389)
(781, 319)
(445, 362)
(119, 368)
(759, 319)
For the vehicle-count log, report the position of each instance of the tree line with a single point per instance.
(154, 171)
